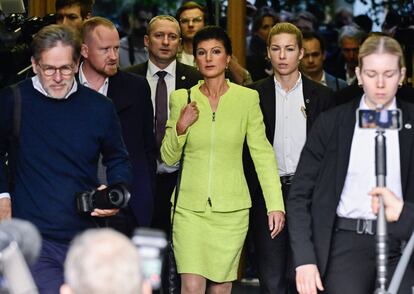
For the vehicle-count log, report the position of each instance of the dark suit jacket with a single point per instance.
(317, 98)
(320, 176)
(131, 96)
(335, 65)
(404, 227)
(186, 76)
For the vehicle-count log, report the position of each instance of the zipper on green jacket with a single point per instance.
(210, 165)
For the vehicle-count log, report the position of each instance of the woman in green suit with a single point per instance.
(211, 217)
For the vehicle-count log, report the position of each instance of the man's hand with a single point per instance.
(308, 279)
(104, 212)
(5, 208)
(393, 205)
(276, 221)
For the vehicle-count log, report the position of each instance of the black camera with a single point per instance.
(114, 196)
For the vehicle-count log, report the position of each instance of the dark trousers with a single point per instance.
(272, 255)
(124, 222)
(165, 184)
(47, 272)
(351, 264)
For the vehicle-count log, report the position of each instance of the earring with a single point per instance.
(400, 85)
(227, 66)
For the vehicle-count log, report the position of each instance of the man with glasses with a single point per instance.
(62, 128)
(191, 17)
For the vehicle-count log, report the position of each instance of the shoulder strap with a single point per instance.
(177, 186)
(188, 96)
(14, 138)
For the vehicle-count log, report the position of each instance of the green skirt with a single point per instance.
(209, 243)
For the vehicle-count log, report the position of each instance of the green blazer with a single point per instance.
(213, 170)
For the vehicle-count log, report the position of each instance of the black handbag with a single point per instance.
(174, 281)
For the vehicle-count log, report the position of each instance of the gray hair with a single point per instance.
(352, 32)
(103, 261)
(53, 35)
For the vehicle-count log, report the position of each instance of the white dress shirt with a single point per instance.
(82, 79)
(290, 129)
(360, 178)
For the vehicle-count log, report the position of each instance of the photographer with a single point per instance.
(103, 262)
(62, 128)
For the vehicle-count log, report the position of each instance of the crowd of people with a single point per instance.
(272, 150)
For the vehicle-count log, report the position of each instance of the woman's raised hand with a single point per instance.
(188, 116)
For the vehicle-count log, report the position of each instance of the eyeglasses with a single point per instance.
(187, 20)
(49, 71)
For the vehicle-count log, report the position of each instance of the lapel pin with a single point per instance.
(307, 100)
(408, 126)
(183, 78)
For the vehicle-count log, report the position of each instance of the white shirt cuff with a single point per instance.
(4, 195)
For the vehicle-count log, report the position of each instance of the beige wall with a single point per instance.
(41, 7)
(236, 28)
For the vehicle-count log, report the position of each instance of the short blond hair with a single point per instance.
(286, 28)
(92, 23)
(163, 17)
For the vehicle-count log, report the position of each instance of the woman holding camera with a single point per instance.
(211, 217)
(331, 223)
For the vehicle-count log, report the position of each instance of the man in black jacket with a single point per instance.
(132, 99)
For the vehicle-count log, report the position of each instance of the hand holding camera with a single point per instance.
(104, 201)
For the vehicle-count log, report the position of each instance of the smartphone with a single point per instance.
(385, 119)
(151, 245)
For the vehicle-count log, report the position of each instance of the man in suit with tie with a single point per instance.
(164, 74)
(132, 99)
(290, 103)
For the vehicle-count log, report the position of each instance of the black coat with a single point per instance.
(320, 176)
(131, 96)
(317, 98)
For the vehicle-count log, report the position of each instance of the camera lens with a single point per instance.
(116, 197)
